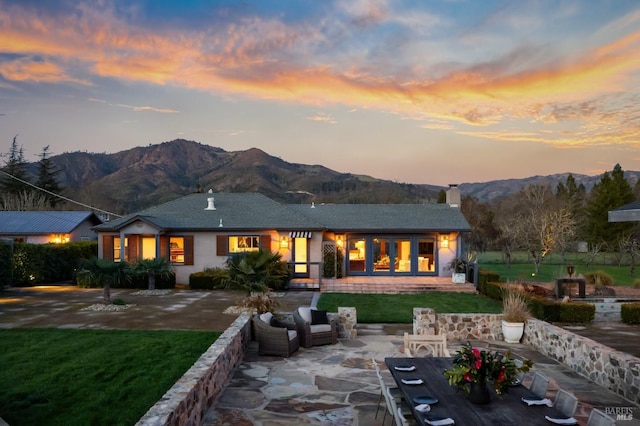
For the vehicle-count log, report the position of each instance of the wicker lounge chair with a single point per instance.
(314, 333)
(279, 341)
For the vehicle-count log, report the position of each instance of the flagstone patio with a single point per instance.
(337, 385)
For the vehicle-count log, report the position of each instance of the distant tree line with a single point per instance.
(540, 219)
(19, 190)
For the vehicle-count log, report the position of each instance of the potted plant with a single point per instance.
(458, 269)
(515, 311)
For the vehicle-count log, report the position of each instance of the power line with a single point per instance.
(59, 196)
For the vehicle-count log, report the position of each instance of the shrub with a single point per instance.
(636, 283)
(544, 309)
(332, 265)
(46, 263)
(209, 279)
(257, 271)
(485, 276)
(630, 313)
(598, 278)
(6, 264)
(515, 305)
(575, 312)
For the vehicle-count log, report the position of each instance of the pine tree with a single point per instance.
(15, 172)
(611, 192)
(47, 177)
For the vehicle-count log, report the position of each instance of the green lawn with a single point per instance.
(552, 268)
(91, 377)
(398, 308)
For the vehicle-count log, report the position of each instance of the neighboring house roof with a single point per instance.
(627, 213)
(253, 211)
(43, 222)
(386, 217)
(242, 211)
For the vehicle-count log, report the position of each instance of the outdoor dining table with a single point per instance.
(507, 409)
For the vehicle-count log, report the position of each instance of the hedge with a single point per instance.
(48, 263)
(630, 313)
(541, 308)
(6, 264)
(208, 279)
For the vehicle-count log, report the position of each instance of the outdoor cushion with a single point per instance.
(319, 328)
(266, 317)
(319, 317)
(292, 334)
(275, 322)
(305, 313)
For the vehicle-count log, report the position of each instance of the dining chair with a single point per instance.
(539, 385)
(425, 345)
(598, 418)
(398, 409)
(566, 403)
(395, 392)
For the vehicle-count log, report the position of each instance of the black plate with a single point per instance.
(425, 400)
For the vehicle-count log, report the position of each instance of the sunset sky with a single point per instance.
(434, 92)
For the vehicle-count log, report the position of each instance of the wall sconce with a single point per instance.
(444, 241)
(339, 241)
(284, 242)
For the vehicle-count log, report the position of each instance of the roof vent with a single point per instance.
(220, 226)
(210, 205)
(313, 204)
(210, 191)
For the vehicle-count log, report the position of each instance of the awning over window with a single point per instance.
(300, 234)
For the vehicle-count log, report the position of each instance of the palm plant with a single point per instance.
(154, 268)
(108, 274)
(256, 271)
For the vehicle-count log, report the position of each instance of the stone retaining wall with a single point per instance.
(457, 326)
(194, 393)
(609, 368)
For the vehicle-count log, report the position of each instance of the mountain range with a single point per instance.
(131, 180)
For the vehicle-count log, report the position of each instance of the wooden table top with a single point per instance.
(507, 409)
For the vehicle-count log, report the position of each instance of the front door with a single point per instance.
(301, 257)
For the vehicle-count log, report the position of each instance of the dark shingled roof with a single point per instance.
(386, 217)
(253, 211)
(242, 211)
(43, 222)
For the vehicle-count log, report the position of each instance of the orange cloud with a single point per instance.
(268, 59)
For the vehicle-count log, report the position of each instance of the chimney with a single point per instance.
(210, 205)
(453, 195)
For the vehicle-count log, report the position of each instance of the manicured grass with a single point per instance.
(525, 272)
(398, 308)
(91, 377)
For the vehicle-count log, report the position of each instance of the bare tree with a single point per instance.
(629, 244)
(594, 251)
(24, 201)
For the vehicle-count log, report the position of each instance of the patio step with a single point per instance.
(383, 329)
(395, 288)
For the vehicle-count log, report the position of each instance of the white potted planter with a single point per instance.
(458, 278)
(512, 331)
(515, 311)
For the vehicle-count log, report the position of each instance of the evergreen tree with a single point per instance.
(611, 192)
(442, 197)
(47, 177)
(573, 196)
(12, 183)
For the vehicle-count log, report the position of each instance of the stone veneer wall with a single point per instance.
(194, 393)
(614, 370)
(458, 326)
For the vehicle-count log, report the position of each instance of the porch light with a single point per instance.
(444, 241)
(284, 242)
(339, 241)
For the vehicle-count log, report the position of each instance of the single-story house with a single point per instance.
(42, 227)
(627, 213)
(201, 230)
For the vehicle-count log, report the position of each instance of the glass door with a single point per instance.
(301, 257)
